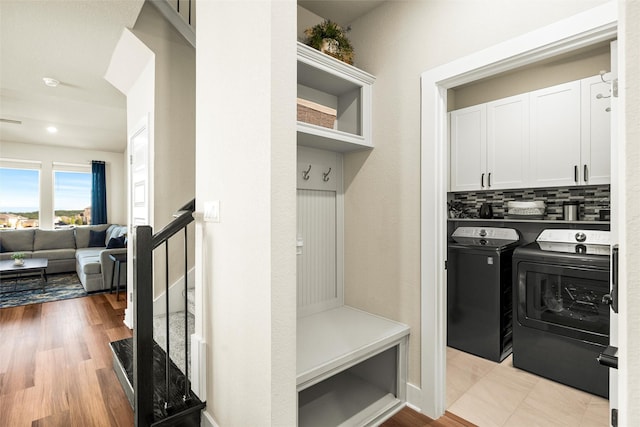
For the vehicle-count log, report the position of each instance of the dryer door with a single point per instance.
(564, 300)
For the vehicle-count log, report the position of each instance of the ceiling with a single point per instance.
(340, 11)
(72, 41)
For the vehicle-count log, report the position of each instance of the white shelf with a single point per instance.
(330, 139)
(344, 88)
(345, 400)
(333, 340)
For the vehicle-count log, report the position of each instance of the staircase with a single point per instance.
(123, 360)
(158, 387)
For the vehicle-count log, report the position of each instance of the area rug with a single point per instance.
(28, 290)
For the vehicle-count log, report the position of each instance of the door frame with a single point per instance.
(141, 127)
(593, 26)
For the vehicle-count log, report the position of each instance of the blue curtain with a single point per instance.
(98, 193)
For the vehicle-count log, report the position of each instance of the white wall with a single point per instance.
(396, 42)
(246, 159)
(47, 155)
(173, 131)
(629, 331)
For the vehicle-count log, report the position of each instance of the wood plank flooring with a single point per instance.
(407, 417)
(56, 365)
(56, 368)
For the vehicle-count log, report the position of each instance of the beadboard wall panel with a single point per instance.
(320, 231)
(317, 284)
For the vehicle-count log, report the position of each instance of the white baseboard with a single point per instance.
(414, 397)
(176, 298)
(128, 317)
(199, 367)
(207, 420)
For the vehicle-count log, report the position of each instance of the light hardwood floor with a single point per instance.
(56, 366)
(497, 394)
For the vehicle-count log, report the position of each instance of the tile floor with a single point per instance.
(490, 394)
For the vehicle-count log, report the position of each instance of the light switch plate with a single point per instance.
(212, 211)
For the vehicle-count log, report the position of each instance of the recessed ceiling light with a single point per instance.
(50, 81)
(52, 129)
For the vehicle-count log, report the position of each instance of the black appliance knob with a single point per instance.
(482, 232)
(581, 237)
(581, 249)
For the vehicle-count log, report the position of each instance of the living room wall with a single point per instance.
(47, 155)
(173, 130)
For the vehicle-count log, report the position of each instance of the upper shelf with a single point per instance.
(342, 88)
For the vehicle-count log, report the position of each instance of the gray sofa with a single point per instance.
(69, 250)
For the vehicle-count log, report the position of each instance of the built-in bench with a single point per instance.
(351, 367)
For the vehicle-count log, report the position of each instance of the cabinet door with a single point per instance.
(468, 148)
(555, 135)
(596, 132)
(508, 143)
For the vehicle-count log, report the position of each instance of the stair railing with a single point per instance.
(144, 244)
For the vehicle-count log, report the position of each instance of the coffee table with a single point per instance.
(31, 265)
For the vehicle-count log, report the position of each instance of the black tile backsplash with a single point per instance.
(592, 200)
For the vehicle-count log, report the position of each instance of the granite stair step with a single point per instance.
(182, 412)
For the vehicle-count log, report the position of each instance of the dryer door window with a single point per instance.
(564, 300)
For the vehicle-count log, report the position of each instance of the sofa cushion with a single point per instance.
(96, 238)
(115, 231)
(88, 259)
(117, 242)
(17, 240)
(83, 231)
(52, 254)
(54, 239)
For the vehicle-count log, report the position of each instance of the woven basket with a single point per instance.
(316, 114)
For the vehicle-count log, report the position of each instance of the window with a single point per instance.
(71, 197)
(19, 195)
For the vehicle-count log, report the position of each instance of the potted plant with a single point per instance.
(457, 209)
(330, 38)
(18, 258)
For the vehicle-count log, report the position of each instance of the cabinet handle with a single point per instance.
(482, 181)
(489, 180)
(575, 173)
(585, 174)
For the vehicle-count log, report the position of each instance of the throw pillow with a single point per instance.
(96, 238)
(117, 242)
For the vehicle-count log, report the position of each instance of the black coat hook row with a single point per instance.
(305, 174)
(325, 176)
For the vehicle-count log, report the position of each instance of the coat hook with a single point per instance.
(325, 176)
(305, 174)
(602, 73)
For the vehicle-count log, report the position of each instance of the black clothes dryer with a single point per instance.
(561, 323)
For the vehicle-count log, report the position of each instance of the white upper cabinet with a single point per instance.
(596, 132)
(468, 148)
(555, 135)
(338, 93)
(552, 137)
(508, 143)
(490, 145)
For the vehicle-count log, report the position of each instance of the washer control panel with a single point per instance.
(487, 233)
